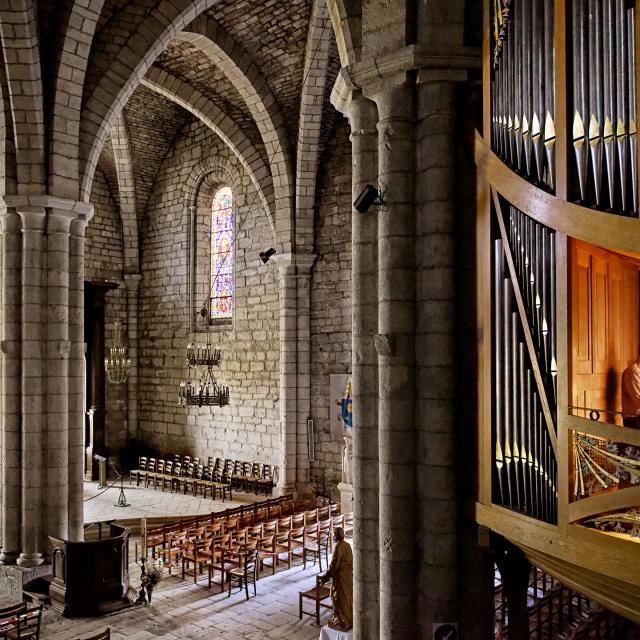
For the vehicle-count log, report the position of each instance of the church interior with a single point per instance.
(319, 318)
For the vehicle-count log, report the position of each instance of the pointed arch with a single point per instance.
(24, 80)
(209, 37)
(225, 128)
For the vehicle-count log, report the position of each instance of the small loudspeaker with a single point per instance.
(265, 255)
(368, 196)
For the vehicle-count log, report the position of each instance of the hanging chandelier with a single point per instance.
(116, 363)
(205, 392)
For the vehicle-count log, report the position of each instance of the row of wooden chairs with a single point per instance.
(218, 476)
(222, 547)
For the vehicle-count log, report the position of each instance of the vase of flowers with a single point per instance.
(151, 574)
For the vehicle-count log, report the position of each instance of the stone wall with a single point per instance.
(248, 428)
(104, 261)
(331, 293)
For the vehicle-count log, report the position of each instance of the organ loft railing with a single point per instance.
(559, 257)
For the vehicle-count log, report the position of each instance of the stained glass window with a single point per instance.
(222, 255)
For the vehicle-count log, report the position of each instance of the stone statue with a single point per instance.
(347, 460)
(341, 575)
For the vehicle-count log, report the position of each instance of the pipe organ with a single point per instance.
(557, 164)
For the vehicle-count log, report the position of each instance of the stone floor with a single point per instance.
(182, 610)
(101, 504)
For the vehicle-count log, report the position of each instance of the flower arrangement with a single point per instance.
(151, 574)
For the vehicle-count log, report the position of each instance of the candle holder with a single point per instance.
(142, 595)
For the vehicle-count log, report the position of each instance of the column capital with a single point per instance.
(32, 218)
(83, 210)
(294, 263)
(132, 281)
(10, 222)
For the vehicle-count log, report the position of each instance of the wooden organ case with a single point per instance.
(558, 246)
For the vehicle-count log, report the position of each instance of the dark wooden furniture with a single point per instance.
(245, 573)
(27, 625)
(91, 577)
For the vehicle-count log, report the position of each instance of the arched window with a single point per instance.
(222, 256)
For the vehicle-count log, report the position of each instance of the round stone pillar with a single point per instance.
(132, 283)
(303, 366)
(395, 345)
(288, 372)
(42, 371)
(437, 572)
(58, 223)
(11, 364)
(33, 379)
(76, 379)
(364, 228)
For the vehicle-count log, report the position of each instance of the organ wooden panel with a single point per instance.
(605, 324)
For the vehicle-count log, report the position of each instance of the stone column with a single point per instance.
(435, 353)
(11, 409)
(288, 372)
(364, 140)
(57, 371)
(33, 435)
(132, 282)
(303, 360)
(76, 380)
(395, 346)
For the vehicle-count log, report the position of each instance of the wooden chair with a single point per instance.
(265, 484)
(176, 544)
(27, 625)
(317, 594)
(247, 571)
(223, 559)
(151, 472)
(140, 472)
(318, 538)
(267, 550)
(197, 553)
(176, 476)
(8, 617)
(167, 477)
(103, 635)
(159, 474)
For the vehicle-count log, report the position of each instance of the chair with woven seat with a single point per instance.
(158, 477)
(140, 472)
(8, 617)
(247, 571)
(151, 472)
(317, 594)
(317, 542)
(167, 477)
(197, 553)
(27, 625)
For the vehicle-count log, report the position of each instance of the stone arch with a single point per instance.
(131, 62)
(7, 144)
(198, 190)
(65, 119)
(24, 81)
(346, 17)
(223, 126)
(127, 194)
(310, 122)
(205, 34)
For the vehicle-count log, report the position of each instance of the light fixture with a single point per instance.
(205, 392)
(116, 363)
(368, 197)
(265, 255)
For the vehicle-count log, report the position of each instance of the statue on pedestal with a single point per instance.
(341, 575)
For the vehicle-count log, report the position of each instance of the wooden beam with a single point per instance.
(626, 498)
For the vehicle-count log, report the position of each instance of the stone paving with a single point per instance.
(181, 609)
(102, 504)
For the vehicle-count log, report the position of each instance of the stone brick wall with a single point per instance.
(248, 428)
(331, 292)
(104, 261)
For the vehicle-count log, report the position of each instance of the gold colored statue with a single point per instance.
(341, 575)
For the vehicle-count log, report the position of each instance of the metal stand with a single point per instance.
(122, 499)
